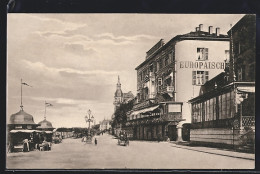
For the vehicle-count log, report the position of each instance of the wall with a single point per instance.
(215, 135)
(187, 51)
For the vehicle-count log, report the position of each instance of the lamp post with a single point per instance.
(89, 119)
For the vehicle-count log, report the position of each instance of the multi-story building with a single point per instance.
(170, 76)
(224, 112)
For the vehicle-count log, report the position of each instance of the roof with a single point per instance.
(21, 117)
(128, 95)
(247, 87)
(195, 35)
(245, 20)
(44, 124)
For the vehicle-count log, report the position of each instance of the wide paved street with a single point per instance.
(74, 154)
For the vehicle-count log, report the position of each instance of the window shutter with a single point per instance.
(206, 53)
(203, 77)
(206, 76)
(193, 77)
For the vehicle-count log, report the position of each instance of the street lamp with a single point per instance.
(88, 119)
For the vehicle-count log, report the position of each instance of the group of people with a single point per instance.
(123, 135)
(85, 139)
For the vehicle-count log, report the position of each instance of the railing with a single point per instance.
(248, 121)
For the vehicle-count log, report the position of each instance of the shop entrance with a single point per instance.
(172, 132)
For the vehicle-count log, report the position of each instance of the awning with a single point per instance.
(149, 109)
(145, 110)
(24, 131)
(248, 89)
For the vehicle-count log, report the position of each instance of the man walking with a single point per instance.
(95, 141)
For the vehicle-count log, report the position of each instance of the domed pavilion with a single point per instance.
(21, 120)
(45, 125)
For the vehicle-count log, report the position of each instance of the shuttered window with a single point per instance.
(193, 77)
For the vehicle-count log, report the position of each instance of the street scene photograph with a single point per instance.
(130, 91)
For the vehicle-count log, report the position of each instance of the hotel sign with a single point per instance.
(202, 65)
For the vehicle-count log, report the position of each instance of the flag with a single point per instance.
(26, 84)
(48, 104)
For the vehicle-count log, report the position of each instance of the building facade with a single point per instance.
(105, 125)
(170, 76)
(224, 112)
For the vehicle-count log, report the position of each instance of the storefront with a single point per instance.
(224, 115)
(155, 122)
(21, 132)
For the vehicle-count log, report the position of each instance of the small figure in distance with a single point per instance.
(95, 141)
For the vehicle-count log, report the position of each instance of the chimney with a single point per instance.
(197, 28)
(217, 31)
(210, 29)
(201, 27)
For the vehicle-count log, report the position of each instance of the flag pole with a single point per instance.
(45, 111)
(21, 95)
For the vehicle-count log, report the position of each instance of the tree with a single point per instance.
(121, 113)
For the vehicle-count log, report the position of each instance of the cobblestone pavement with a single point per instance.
(74, 154)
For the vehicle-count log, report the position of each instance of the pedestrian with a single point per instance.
(95, 141)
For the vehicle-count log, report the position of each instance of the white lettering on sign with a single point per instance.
(202, 65)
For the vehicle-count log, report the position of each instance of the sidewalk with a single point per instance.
(216, 151)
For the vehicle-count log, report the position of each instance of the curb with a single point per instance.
(221, 154)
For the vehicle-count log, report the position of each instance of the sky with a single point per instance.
(73, 60)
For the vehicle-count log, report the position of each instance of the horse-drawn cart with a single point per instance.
(123, 140)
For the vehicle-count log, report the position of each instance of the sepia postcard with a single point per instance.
(130, 91)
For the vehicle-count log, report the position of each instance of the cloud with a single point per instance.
(126, 38)
(39, 66)
(79, 49)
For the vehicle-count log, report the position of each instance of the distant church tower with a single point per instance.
(118, 99)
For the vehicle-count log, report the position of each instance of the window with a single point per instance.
(200, 77)
(224, 107)
(228, 105)
(151, 67)
(155, 66)
(202, 53)
(241, 73)
(214, 108)
(159, 81)
(227, 55)
(166, 61)
(160, 64)
(29, 126)
(170, 57)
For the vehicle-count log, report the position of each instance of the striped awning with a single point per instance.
(150, 109)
